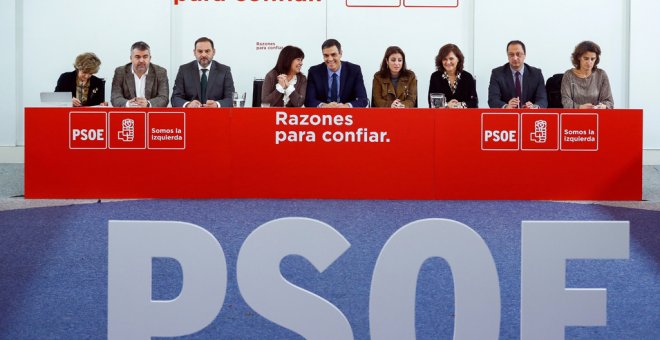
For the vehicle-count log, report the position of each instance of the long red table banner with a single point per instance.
(333, 153)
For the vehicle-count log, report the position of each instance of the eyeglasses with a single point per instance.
(517, 54)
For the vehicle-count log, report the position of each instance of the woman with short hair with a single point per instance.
(586, 86)
(86, 89)
(458, 85)
(285, 85)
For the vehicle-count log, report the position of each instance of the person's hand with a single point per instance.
(141, 102)
(138, 102)
(600, 106)
(333, 105)
(453, 104)
(211, 104)
(194, 104)
(587, 106)
(75, 102)
(513, 103)
(397, 104)
(282, 80)
(531, 105)
(104, 104)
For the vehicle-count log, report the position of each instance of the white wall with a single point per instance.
(53, 33)
(8, 110)
(645, 68)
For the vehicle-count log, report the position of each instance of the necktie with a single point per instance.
(333, 88)
(203, 84)
(518, 87)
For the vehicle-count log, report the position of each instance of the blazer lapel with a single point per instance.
(325, 79)
(130, 81)
(215, 75)
(508, 80)
(198, 86)
(342, 83)
(527, 85)
(150, 82)
(389, 87)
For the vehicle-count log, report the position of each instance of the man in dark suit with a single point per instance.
(203, 82)
(140, 83)
(335, 83)
(516, 84)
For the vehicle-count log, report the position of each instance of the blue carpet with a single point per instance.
(53, 264)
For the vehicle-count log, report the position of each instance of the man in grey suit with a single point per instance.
(516, 84)
(203, 82)
(140, 83)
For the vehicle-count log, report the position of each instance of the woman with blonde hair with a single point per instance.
(86, 89)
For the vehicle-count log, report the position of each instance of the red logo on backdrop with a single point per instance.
(539, 131)
(499, 131)
(579, 132)
(87, 130)
(167, 130)
(126, 130)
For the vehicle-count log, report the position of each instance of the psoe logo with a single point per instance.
(546, 247)
(127, 132)
(403, 3)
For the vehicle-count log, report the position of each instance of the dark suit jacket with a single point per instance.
(68, 83)
(351, 85)
(156, 90)
(466, 91)
(187, 86)
(501, 88)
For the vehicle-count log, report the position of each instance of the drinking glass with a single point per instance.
(239, 99)
(438, 100)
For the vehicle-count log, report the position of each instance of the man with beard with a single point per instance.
(203, 82)
(140, 83)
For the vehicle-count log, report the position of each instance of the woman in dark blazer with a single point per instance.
(284, 85)
(458, 85)
(86, 89)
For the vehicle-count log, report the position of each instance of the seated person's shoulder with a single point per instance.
(222, 66)
(533, 69)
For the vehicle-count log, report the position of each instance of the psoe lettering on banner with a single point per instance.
(547, 307)
(500, 136)
(499, 131)
(88, 130)
(88, 134)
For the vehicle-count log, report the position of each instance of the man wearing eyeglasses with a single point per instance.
(516, 84)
